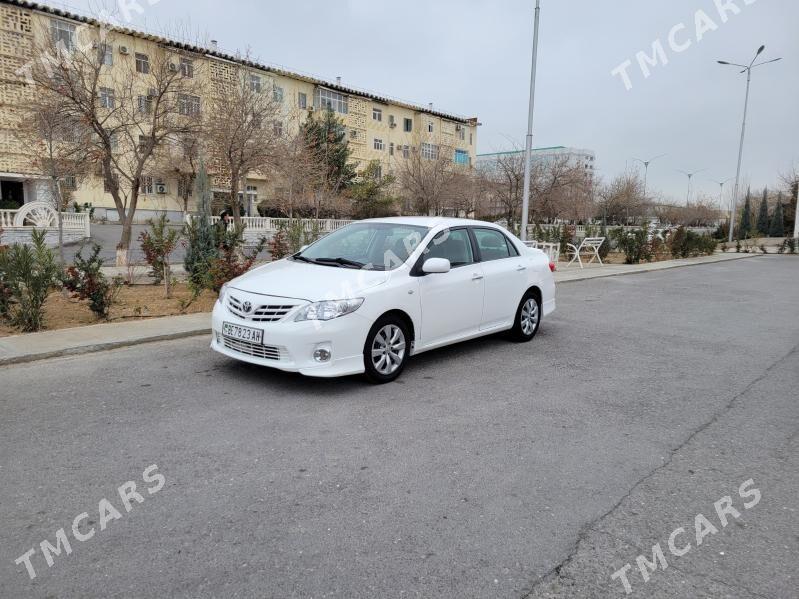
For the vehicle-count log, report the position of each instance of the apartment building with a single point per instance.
(378, 127)
(572, 157)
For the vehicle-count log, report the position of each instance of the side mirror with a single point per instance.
(436, 266)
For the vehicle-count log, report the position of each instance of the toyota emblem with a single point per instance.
(247, 306)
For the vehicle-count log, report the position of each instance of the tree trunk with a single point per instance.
(234, 198)
(123, 247)
(167, 278)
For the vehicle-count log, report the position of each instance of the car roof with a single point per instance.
(432, 221)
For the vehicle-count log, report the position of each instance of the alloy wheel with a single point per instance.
(529, 316)
(388, 349)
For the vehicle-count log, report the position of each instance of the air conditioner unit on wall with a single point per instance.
(161, 188)
(124, 50)
(173, 67)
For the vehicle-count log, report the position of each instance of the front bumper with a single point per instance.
(289, 345)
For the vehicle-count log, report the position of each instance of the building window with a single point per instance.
(470, 139)
(255, 83)
(113, 141)
(188, 105)
(184, 188)
(187, 67)
(391, 149)
(146, 185)
(106, 186)
(107, 97)
(461, 157)
(337, 102)
(302, 101)
(407, 125)
(430, 151)
(392, 122)
(63, 33)
(377, 115)
(277, 93)
(142, 64)
(462, 133)
(69, 183)
(142, 143)
(378, 144)
(379, 172)
(406, 151)
(106, 54)
(277, 128)
(252, 193)
(429, 126)
(145, 104)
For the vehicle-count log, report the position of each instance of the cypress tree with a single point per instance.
(777, 228)
(746, 218)
(762, 216)
(201, 246)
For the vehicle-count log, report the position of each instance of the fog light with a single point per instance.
(321, 355)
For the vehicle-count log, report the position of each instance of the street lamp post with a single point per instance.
(721, 185)
(528, 146)
(646, 164)
(690, 176)
(748, 71)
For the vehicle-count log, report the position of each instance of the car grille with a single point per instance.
(266, 352)
(261, 313)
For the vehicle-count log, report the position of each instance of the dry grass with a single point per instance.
(136, 302)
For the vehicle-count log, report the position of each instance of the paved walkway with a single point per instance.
(48, 344)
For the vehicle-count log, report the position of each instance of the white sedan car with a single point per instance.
(366, 297)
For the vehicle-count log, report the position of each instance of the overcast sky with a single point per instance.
(472, 57)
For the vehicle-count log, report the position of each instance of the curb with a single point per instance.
(651, 270)
(98, 347)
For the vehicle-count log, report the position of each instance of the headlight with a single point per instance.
(222, 293)
(328, 310)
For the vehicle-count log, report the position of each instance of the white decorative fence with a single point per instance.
(16, 225)
(256, 227)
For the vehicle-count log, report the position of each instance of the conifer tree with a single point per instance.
(746, 218)
(762, 216)
(777, 228)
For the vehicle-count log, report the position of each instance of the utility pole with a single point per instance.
(528, 146)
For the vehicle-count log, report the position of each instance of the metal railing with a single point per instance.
(268, 224)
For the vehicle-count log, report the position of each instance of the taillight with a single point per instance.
(551, 267)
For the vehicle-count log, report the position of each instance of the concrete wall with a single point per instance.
(23, 235)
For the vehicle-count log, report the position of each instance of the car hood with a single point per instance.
(312, 282)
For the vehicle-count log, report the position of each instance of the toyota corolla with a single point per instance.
(367, 297)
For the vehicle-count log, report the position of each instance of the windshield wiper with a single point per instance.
(341, 262)
(303, 258)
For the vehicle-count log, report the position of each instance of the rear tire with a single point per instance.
(385, 352)
(527, 319)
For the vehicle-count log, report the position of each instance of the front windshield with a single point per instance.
(367, 245)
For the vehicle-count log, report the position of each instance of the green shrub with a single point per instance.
(29, 272)
(634, 244)
(790, 244)
(158, 244)
(200, 238)
(684, 243)
(86, 281)
(231, 261)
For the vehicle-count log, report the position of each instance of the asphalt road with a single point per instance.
(488, 470)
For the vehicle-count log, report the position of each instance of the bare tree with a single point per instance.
(132, 105)
(61, 149)
(503, 184)
(298, 171)
(621, 199)
(244, 132)
(427, 176)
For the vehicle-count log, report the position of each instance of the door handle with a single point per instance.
(521, 268)
(476, 277)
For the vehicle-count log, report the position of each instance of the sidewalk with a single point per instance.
(63, 342)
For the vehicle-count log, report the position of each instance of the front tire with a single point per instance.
(528, 318)
(386, 350)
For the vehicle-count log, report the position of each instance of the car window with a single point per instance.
(492, 244)
(455, 246)
(376, 245)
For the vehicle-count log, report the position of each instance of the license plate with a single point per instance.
(240, 333)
